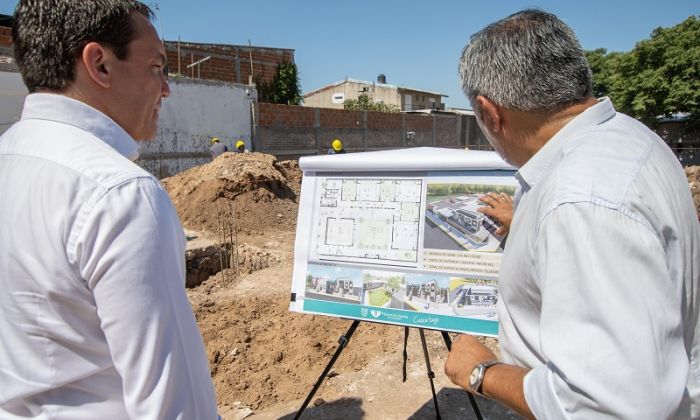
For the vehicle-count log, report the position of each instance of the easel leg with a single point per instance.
(431, 374)
(342, 342)
(448, 343)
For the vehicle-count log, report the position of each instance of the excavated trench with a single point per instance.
(209, 259)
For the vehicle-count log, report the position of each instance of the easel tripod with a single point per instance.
(343, 342)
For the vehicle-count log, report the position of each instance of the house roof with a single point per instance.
(363, 82)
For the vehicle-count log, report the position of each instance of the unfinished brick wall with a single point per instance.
(228, 63)
(293, 131)
(283, 128)
(276, 115)
(5, 36)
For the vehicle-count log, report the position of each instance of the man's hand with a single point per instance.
(466, 352)
(502, 382)
(499, 208)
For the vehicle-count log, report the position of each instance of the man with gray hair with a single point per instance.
(94, 318)
(599, 282)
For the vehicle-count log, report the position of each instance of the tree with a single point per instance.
(603, 65)
(365, 103)
(660, 76)
(284, 87)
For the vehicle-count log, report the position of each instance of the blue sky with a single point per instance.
(415, 44)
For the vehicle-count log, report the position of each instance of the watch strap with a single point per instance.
(482, 373)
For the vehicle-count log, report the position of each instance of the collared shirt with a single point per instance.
(94, 319)
(599, 281)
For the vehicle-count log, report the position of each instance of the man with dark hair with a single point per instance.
(599, 282)
(94, 318)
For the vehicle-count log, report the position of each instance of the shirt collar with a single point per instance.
(60, 108)
(537, 167)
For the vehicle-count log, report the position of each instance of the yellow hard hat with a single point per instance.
(214, 140)
(337, 145)
(240, 143)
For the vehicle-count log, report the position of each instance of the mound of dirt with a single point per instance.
(693, 174)
(237, 192)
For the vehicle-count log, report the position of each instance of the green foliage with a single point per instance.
(365, 103)
(394, 282)
(603, 65)
(660, 76)
(285, 87)
(450, 190)
(378, 297)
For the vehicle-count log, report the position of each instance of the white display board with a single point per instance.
(395, 237)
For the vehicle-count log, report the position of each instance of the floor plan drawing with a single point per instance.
(375, 220)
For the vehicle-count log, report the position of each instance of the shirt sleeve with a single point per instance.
(132, 257)
(611, 328)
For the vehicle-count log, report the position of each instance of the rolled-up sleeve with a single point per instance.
(131, 253)
(611, 328)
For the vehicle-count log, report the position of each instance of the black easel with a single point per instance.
(448, 343)
(343, 342)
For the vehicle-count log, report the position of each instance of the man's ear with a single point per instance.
(490, 114)
(95, 60)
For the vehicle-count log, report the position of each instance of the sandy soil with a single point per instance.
(264, 359)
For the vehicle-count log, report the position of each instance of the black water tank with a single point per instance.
(381, 79)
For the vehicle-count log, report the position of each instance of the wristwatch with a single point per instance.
(477, 376)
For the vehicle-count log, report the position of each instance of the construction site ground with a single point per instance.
(264, 359)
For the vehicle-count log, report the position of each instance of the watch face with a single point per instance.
(474, 375)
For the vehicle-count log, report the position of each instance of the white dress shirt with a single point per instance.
(94, 319)
(599, 280)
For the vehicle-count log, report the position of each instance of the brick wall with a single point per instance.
(293, 131)
(228, 63)
(340, 118)
(384, 120)
(5, 36)
(276, 115)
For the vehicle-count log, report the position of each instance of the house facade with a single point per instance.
(405, 98)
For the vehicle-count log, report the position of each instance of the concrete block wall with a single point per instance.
(386, 130)
(195, 112)
(422, 127)
(284, 127)
(292, 131)
(446, 129)
(346, 125)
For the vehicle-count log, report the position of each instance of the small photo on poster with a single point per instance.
(449, 295)
(384, 289)
(334, 283)
(473, 299)
(453, 221)
(428, 293)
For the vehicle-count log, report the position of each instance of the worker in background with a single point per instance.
(336, 147)
(217, 147)
(240, 147)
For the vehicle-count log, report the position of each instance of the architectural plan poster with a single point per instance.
(396, 237)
